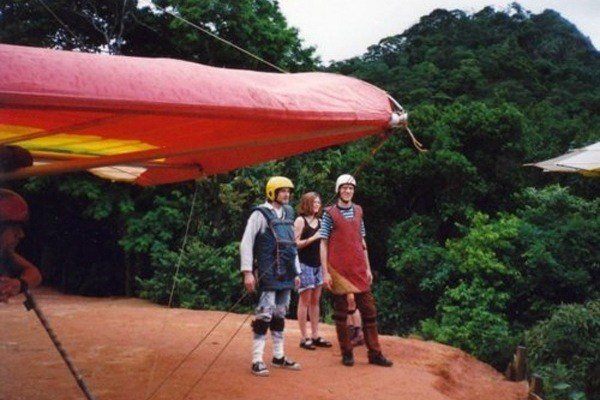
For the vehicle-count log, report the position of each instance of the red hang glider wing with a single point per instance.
(154, 121)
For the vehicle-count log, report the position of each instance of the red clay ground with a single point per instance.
(115, 342)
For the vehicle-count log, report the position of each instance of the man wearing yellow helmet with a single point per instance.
(16, 273)
(269, 240)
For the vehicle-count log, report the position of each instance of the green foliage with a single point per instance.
(404, 292)
(160, 228)
(480, 253)
(556, 251)
(474, 280)
(208, 278)
(504, 273)
(471, 317)
(565, 350)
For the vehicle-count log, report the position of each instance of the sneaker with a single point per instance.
(286, 363)
(307, 344)
(348, 359)
(259, 368)
(379, 359)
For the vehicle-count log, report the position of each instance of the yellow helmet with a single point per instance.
(277, 182)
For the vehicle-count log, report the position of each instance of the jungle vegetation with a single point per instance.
(470, 247)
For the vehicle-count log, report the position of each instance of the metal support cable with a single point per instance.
(175, 276)
(61, 22)
(235, 46)
(209, 366)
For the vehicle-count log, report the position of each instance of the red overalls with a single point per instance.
(345, 253)
(348, 270)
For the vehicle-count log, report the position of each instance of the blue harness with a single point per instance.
(275, 250)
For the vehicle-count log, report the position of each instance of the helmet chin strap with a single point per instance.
(344, 201)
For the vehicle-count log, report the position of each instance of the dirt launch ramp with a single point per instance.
(125, 347)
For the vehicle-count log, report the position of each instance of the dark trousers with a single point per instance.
(365, 302)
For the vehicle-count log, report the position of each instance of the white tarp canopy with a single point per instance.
(585, 160)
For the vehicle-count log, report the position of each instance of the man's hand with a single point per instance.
(297, 282)
(327, 280)
(8, 288)
(249, 281)
(369, 276)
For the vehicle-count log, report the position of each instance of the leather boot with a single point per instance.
(379, 359)
(348, 359)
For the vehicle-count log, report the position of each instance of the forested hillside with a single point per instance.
(470, 247)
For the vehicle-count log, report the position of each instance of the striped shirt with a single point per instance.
(327, 222)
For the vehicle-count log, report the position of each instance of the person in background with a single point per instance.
(16, 273)
(306, 234)
(354, 323)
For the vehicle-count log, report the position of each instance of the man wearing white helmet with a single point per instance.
(347, 270)
(269, 240)
(16, 273)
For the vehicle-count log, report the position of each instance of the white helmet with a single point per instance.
(344, 179)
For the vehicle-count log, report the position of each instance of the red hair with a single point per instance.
(306, 203)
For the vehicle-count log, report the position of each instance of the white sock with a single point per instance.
(277, 337)
(258, 347)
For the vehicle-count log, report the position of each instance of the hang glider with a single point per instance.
(152, 121)
(585, 161)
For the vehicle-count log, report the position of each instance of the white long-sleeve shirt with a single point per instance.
(257, 223)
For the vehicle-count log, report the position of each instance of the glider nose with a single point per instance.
(399, 119)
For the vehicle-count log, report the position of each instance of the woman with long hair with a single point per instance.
(306, 230)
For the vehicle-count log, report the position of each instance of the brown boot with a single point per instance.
(343, 334)
(379, 359)
(348, 359)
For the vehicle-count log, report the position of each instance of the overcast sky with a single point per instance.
(341, 29)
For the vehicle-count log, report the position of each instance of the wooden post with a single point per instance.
(535, 388)
(520, 364)
(510, 371)
(517, 368)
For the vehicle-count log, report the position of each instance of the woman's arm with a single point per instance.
(326, 276)
(298, 228)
